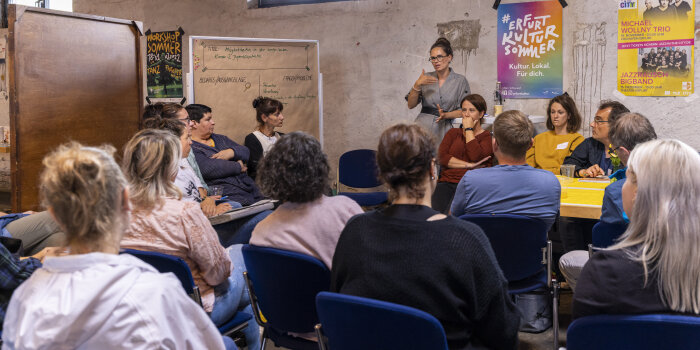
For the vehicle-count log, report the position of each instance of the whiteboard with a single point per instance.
(228, 73)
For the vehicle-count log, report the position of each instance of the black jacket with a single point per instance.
(589, 152)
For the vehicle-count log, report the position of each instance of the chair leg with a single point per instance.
(263, 341)
(319, 335)
(555, 314)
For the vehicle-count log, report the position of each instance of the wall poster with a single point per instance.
(164, 63)
(655, 47)
(530, 49)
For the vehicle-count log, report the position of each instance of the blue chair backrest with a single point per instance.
(352, 322)
(358, 169)
(285, 284)
(167, 263)
(639, 332)
(516, 240)
(604, 234)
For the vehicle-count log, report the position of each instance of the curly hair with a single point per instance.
(404, 157)
(294, 170)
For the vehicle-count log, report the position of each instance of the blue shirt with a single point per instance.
(508, 189)
(612, 212)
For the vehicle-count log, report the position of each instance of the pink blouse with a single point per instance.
(180, 228)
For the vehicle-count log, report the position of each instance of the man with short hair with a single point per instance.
(590, 157)
(627, 131)
(512, 186)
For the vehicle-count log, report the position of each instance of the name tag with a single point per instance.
(562, 145)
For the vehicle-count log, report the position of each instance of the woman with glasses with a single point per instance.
(410, 254)
(268, 114)
(462, 149)
(439, 92)
(550, 148)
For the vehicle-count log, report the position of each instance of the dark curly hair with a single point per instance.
(294, 170)
(404, 157)
(573, 122)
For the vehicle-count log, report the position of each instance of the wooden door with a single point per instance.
(72, 77)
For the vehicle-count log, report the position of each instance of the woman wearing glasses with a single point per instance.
(550, 148)
(439, 92)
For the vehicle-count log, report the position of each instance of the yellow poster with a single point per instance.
(655, 47)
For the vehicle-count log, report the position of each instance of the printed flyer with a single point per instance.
(164, 63)
(655, 47)
(530, 49)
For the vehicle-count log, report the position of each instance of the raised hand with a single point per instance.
(424, 80)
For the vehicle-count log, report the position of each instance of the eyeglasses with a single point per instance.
(185, 120)
(437, 58)
(600, 121)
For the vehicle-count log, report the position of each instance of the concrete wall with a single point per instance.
(373, 50)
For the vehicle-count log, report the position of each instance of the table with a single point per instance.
(581, 198)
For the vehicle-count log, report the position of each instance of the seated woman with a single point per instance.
(650, 270)
(307, 221)
(186, 180)
(222, 161)
(551, 148)
(412, 255)
(161, 222)
(268, 113)
(93, 298)
(461, 150)
(174, 111)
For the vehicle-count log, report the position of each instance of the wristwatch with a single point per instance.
(465, 129)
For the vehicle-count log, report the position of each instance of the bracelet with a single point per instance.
(414, 89)
(470, 129)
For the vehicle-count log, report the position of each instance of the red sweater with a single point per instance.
(454, 145)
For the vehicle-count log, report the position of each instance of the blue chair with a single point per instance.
(283, 287)
(350, 322)
(524, 255)
(639, 332)
(604, 234)
(168, 263)
(358, 169)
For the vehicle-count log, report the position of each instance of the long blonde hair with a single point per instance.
(664, 229)
(83, 187)
(150, 164)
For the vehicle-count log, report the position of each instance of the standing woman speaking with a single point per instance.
(439, 92)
